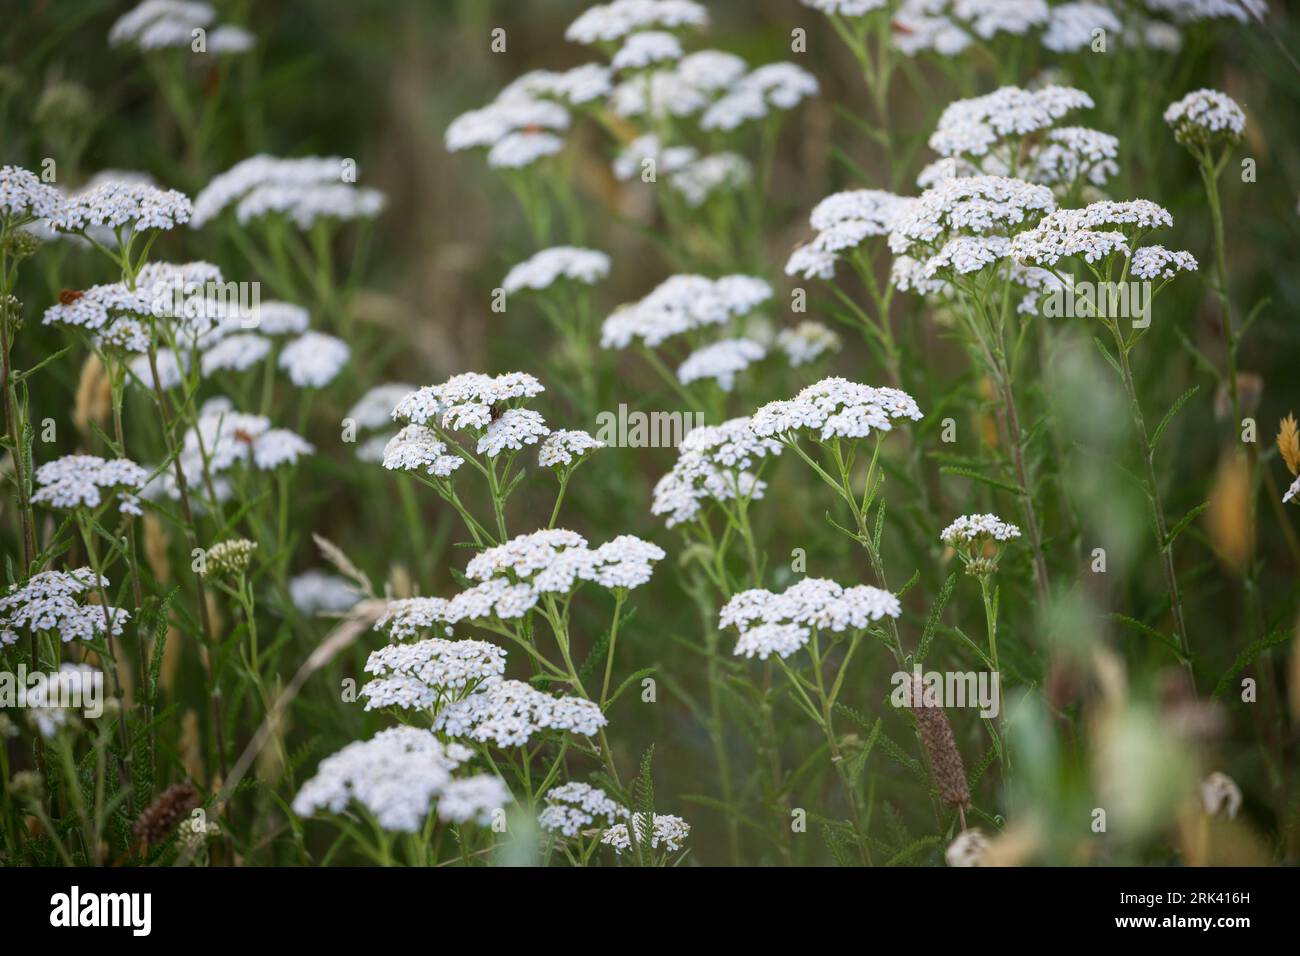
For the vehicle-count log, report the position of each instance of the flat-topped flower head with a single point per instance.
(410, 617)
(1206, 118)
(510, 713)
(714, 463)
(478, 799)
(302, 191)
(682, 304)
(564, 448)
(512, 114)
(1071, 26)
(468, 401)
(647, 48)
(321, 592)
(706, 177)
(418, 448)
(83, 481)
(156, 24)
(1094, 233)
(236, 353)
(314, 359)
(721, 361)
(574, 87)
(971, 528)
(555, 560)
(430, 673)
(972, 127)
(1157, 262)
(608, 22)
(666, 830)
(130, 206)
(545, 268)
(835, 408)
(978, 539)
(113, 315)
(56, 602)
(225, 438)
(23, 197)
(1186, 11)
(684, 90)
(783, 623)
(844, 221)
(573, 807)
(637, 156)
(398, 776)
(920, 26)
(773, 86)
(515, 428)
(374, 409)
(846, 8)
(987, 18)
(1073, 155)
(807, 342)
(982, 206)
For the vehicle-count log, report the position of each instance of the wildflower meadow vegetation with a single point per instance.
(649, 433)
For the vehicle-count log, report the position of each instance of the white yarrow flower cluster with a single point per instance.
(608, 22)
(647, 48)
(666, 830)
(961, 225)
(843, 221)
(714, 463)
(131, 206)
(555, 561)
(1205, 118)
(427, 674)
(24, 197)
(166, 24)
(397, 776)
(971, 528)
(721, 361)
(573, 807)
(1095, 233)
(54, 602)
(545, 268)
(780, 86)
(703, 178)
(782, 623)
(320, 592)
(509, 713)
(835, 408)
(314, 359)
(1071, 26)
(303, 190)
(565, 447)
(807, 342)
(683, 303)
(80, 481)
